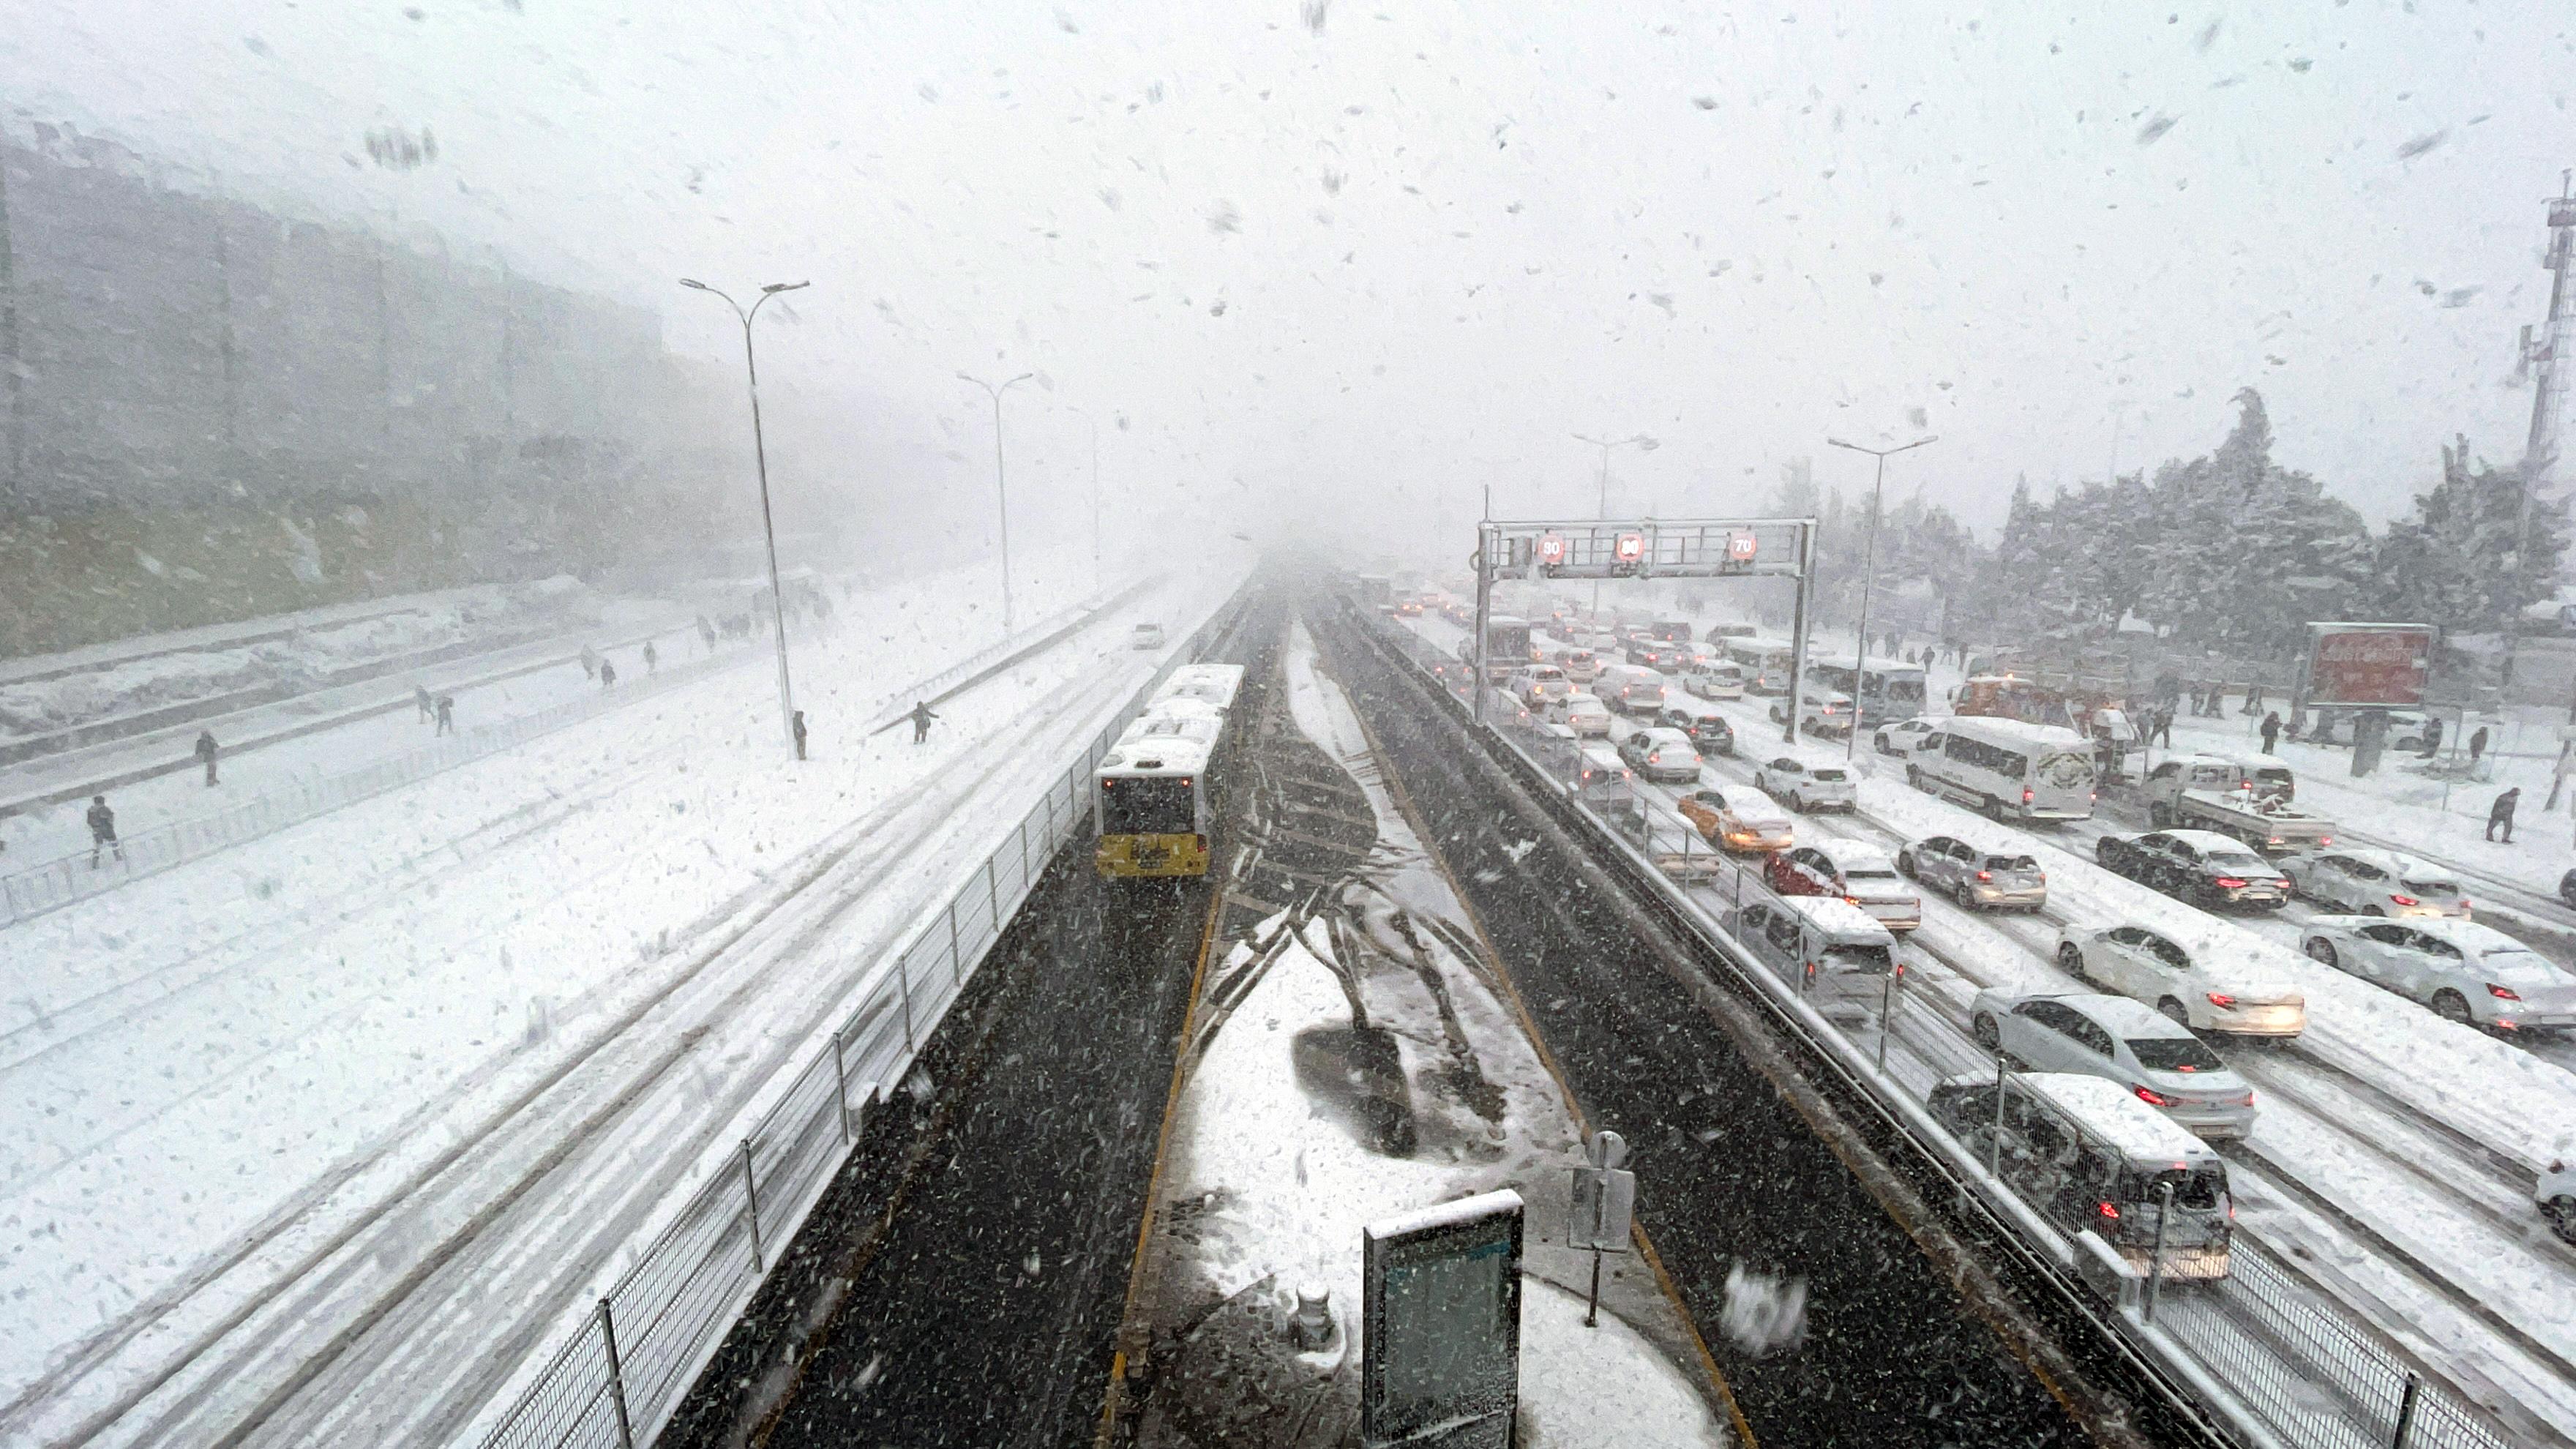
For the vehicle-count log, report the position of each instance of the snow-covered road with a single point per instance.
(324, 1120)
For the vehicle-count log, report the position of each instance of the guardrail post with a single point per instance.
(616, 1377)
(2156, 1259)
(1886, 1015)
(1995, 1143)
(841, 1087)
(993, 891)
(751, 1206)
(2406, 1410)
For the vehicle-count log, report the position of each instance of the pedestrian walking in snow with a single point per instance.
(706, 634)
(2558, 776)
(447, 714)
(2271, 730)
(2160, 729)
(2253, 696)
(796, 727)
(420, 697)
(921, 718)
(607, 675)
(206, 753)
(652, 661)
(102, 830)
(589, 662)
(2477, 745)
(2501, 813)
(2432, 737)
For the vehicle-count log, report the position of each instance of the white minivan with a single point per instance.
(1717, 679)
(1840, 960)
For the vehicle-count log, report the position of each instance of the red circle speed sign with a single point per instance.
(1551, 548)
(1631, 547)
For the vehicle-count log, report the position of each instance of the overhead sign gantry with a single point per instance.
(1648, 548)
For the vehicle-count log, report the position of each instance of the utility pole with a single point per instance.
(1001, 487)
(1868, 576)
(10, 373)
(2539, 361)
(760, 452)
(1642, 444)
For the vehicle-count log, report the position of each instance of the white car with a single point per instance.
(1715, 680)
(2556, 1198)
(1859, 874)
(1826, 715)
(2375, 883)
(1736, 819)
(1583, 714)
(2206, 981)
(2161, 1063)
(2466, 972)
(1581, 666)
(1661, 753)
(1900, 738)
(1536, 685)
(1145, 636)
(1807, 787)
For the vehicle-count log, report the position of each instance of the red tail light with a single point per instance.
(2464, 903)
(2108, 1210)
(2026, 795)
(2504, 993)
(2401, 900)
(1855, 900)
(2229, 882)
(1985, 875)
(2222, 1000)
(2152, 1097)
(2325, 840)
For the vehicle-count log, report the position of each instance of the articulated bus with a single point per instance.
(1889, 689)
(1765, 662)
(1151, 807)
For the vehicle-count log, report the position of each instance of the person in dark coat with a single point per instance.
(447, 714)
(2432, 737)
(428, 709)
(2160, 727)
(206, 751)
(796, 727)
(2477, 745)
(921, 718)
(2271, 730)
(2501, 813)
(607, 675)
(102, 830)
(652, 659)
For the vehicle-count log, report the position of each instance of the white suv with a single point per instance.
(1806, 787)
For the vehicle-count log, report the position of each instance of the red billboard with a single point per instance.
(2367, 665)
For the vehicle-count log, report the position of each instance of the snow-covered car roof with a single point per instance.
(2129, 1018)
(1833, 913)
(2252, 964)
(2395, 862)
(1748, 803)
(2131, 1126)
(2471, 936)
(1583, 697)
(2205, 840)
(1851, 855)
(1662, 735)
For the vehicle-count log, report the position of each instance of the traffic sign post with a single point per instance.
(1604, 1206)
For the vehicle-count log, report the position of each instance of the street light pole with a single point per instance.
(1001, 488)
(1095, 494)
(1868, 576)
(760, 453)
(1643, 444)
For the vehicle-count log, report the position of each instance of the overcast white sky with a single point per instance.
(1356, 272)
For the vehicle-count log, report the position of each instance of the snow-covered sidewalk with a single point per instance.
(1296, 1127)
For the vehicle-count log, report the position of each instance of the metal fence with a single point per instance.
(614, 1383)
(2311, 1372)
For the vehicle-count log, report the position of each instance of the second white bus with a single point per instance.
(2007, 768)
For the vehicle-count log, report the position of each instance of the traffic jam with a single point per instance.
(2159, 954)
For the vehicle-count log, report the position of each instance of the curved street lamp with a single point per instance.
(760, 452)
(1001, 489)
(1869, 575)
(1642, 444)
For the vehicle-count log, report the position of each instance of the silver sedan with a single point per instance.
(2472, 974)
(2112, 1037)
(2376, 883)
(1977, 877)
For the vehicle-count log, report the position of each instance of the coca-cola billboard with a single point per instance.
(2366, 665)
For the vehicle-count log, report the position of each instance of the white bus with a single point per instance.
(1765, 663)
(2007, 768)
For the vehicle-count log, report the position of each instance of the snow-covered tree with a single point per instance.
(2468, 558)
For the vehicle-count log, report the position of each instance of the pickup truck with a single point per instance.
(2214, 792)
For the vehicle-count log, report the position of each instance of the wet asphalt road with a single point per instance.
(1729, 1173)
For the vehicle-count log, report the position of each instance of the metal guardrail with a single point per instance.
(614, 1383)
(2313, 1374)
(78, 876)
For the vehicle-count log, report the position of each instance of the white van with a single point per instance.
(2007, 768)
(1837, 957)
